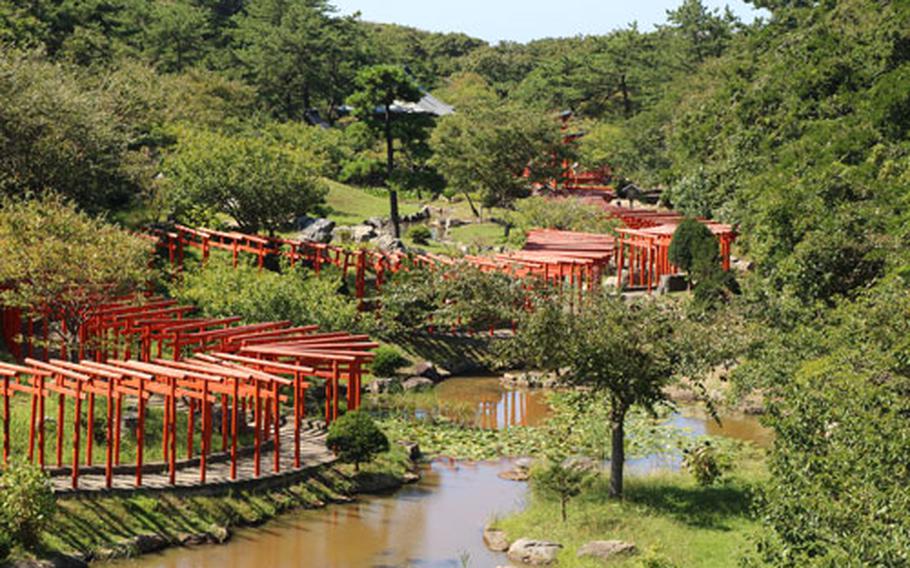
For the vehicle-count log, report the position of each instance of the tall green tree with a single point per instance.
(176, 35)
(378, 89)
(295, 52)
(60, 259)
(260, 184)
(499, 152)
(626, 351)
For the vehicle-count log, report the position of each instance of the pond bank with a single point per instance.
(109, 527)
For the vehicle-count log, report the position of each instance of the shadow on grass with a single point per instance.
(703, 507)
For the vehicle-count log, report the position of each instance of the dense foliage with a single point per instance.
(59, 259)
(261, 185)
(259, 296)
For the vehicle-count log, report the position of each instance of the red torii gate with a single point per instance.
(198, 381)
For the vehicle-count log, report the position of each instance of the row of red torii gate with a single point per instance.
(639, 250)
(150, 352)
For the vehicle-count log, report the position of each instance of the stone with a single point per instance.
(516, 474)
(375, 222)
(388, 243)
(495, 539)
(146, 543)
(525, 463)
(382, 386)
(413, 449)
(220, 534)
(417, 383)
(427, 370)
(362, 233)
(534, 552)
(315, 230)
(606, 549)
(672, 283)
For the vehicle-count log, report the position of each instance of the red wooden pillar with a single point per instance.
(90, 429)
(77, 428)
(257, 440)
(297, 404)
(118, 425)
(335, 381)
(61, 415)
(225, 424)
(109, 450)
(190, 429)
(206, 414)
(276, 393)
(234, 408)
(41, 421)
(173, 433)
(140, 432)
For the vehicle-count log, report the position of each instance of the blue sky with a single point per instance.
(523, 20)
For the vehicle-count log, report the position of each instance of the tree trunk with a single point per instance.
(618, 451)
(471, 203)
(390, 167)
(626, 102)
(563, 504)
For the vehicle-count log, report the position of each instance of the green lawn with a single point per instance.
(480, 234)
(351, 206)
(667, 515)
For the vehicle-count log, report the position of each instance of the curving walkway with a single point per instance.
(313, 453)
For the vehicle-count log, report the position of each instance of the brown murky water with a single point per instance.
(435, 523)
(496, 407)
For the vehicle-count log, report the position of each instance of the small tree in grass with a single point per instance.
(560, 481)
(356, 439)
(27, 503)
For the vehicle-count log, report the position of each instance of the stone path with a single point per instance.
(313, 453)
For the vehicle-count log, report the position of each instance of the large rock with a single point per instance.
(376, 222)
(388, 243)
(417, 383)
(606, 549)
(362, 233)
(428, 370)
(672, 283)
(534, 552)
(315, 230)
(495, 539)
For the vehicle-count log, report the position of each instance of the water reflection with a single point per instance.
(496, 407)
(431, 524)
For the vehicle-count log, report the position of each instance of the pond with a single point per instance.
(435, 523)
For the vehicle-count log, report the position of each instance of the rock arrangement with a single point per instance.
(531, 379)
(421, 376)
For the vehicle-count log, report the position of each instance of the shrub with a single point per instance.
(692, 243)
(420, 234)
(26, 502)
(704, 463)
(220, 290)
(560, 481)
(387, 362)
(355, 438)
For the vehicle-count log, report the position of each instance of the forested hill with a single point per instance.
(795, 127)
